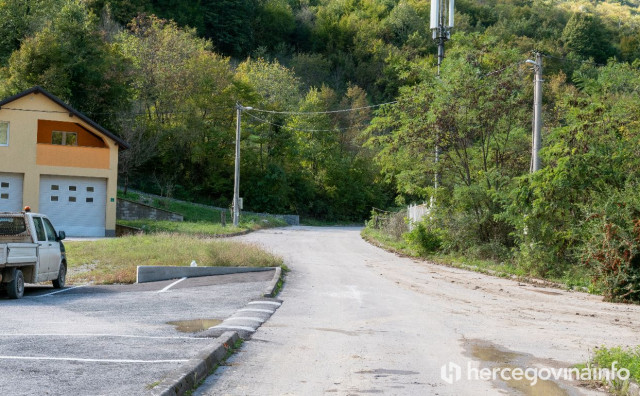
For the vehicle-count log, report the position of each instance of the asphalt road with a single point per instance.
(112, 340)
(359, 320)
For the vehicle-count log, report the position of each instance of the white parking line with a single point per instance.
(105, 335)
(61, 291)
(171, 285)
(91, 360)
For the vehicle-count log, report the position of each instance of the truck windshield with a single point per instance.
(12, 225)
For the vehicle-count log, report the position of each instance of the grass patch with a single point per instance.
(181, 227)
(153, 385)
(198, 219)
(387, 242)
(628, 358)
(202, 228)
(624, 358)
(506, 269)
(192, 212)
(114, 260)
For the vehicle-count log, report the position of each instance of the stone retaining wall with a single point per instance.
(130, 210)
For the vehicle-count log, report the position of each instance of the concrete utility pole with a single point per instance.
(441, 23)
(536, 143)
(236, 179)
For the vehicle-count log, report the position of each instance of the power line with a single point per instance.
(503, 69)
(262, 120)
(119, 113)
(562, 58)
(325, 112)
(35, 111)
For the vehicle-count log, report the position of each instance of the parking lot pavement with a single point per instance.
(112, 340)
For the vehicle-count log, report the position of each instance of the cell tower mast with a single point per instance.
(441, 24)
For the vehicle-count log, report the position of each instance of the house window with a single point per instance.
(4, 133)
(72, 188)
(4, 185)
(54, 198)
(55, 187)
(64, 138)
(4, 196)
(89, 189)
(89, 199)
(72, 199)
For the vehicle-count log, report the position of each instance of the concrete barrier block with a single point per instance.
(155, 273)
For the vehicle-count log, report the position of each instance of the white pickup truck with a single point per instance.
(30, 251)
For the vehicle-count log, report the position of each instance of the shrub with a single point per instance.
(424, 238)
(614, 248)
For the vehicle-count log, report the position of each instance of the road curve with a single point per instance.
(359, 320)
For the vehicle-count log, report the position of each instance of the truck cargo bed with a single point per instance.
(12, 254)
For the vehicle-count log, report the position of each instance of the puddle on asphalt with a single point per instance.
(195, 325)
(496, 358)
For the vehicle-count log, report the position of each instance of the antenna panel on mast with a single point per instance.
(435, 14)
(451, 12)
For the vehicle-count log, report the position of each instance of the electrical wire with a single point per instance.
(324, 112)
(262, 120)
(503, 69)
(35, 111)
(573, 60)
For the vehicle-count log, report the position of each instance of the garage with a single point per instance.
(76, 205)
(10, 192)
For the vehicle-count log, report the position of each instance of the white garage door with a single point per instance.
(76, 205)
(10, 192)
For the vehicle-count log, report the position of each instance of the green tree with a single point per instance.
(69, 58)
(23, 18)
(587, 36)
(184, 98)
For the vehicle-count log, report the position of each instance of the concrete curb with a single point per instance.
(270, 291)
(155, 273)
(197, 369)
(634, 389)
(247, 320)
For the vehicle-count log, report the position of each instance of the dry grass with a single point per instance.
(115, 260)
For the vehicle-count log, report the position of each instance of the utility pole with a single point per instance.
(536, 141)
(236, 178)
(441, 23)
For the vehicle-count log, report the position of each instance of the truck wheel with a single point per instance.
(62, 276)
(15, 288)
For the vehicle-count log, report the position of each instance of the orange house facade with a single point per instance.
(59, 162)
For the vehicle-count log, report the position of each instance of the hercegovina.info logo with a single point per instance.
(451, 373)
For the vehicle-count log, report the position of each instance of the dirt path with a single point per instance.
(359, 320)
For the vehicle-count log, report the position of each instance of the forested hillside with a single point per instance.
(166, 75)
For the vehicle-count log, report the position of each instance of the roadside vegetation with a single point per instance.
(115, 260)
(624, 358)
(390, 231)
(199, 220)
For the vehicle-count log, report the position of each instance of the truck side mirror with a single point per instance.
(61, 235)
